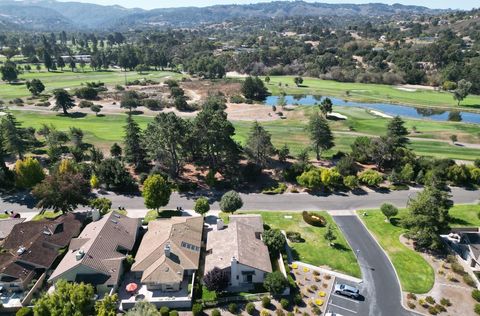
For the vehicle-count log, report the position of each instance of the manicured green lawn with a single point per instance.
(68, 80)
(153, 215)
(103, 131)
(368, 92)
(315, 250)
(415, 274)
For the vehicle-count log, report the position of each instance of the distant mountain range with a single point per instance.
(46, 15)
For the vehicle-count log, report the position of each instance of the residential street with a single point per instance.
(289, 202)
(380, 287)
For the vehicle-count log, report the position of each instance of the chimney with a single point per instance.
(167, 250)
(220, 224)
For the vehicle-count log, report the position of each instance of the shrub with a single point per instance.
(164, 311)
(152, 104)
(297, 299)
(451, 259)
(250, 308)
(316, 310)
(216, 312)
(430, 300)
(476, 295)
(477, 309)
(294, 236)
(237, 99)
(411, 305)
(197, 309)
(314, 219)
(266, 301)
(173, 313)
(285, 303)
(432, 310)
(24, 311)
(440, 308)
(232, 308)
(119, 87)
(468, 280)
(85, 104)
(371, 178)
(279, 312)
(423, 302)
(457, 268)
(264, 312)
(411, 296)
(445, 302)
(350, 182)
(87, 93)
(290, 314)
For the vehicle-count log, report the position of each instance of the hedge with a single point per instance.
(314, 219)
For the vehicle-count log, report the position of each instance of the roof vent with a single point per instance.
(80, 254)
(116, 215)
(114, 221)
(167, 250)
(47, 231)
(21, 250)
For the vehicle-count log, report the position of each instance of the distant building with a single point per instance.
(32, 247)
(239, 250)
(77, 58)
(97, 255)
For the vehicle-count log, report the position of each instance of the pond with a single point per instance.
(387, 108)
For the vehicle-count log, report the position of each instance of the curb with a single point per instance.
(402, 300)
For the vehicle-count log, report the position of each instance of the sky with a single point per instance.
(152, 4)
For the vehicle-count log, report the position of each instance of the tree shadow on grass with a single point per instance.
(137, 112)
(340, 247)
(459, 221)
(73, 115)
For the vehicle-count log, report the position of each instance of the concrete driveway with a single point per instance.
(380, 287)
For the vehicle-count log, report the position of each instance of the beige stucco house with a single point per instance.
(169, 253)
(238, 249)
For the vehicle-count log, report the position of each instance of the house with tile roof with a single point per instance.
(239, 250)
(169, 253)
(32, 247)
(97, 255)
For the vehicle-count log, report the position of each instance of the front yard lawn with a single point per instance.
(315, 249)
(46, 215)
(153, 215)
(415, 274)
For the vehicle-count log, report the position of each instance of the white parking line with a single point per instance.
(349, 310)
(346, 298)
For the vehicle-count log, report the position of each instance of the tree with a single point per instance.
(113, 175)
(102, 204)
(165, 141)
(60, 62)
(15, 138)
(298, 81)
(428, 217)
(28, 173)
(326, 107)
(94, 182)
(361, 149)
(330, 235)
(230, 202)
(116, 151)
(9, 72)
(54, 139)
(72, 65)
(267, 79)
(259, 145)
(321, 137)
(462, 90)
(275, 241)
(107, 306)
(62, 191)
(35, 86)
(453, 138)
(202, 206)
(68, 299)
(216, 279)
(47, 60)
(63, 101)
(275, 283)
(397, 132)
(283, 153)
(389, 211)
(96, 108)
(253, 88)
(156, 192)
(143, 308)
(134, 150)
(130, 100)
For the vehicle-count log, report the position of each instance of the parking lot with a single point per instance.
(346, 306)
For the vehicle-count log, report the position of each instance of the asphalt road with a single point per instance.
(256, 201)
(380, 288)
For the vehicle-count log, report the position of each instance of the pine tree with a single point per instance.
(330, 235)
(321, 136)
(134, 150)
(13, 136)
(397, 132)
(63, 101)
(259, 145)
(47, 60)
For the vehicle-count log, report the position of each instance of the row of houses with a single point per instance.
(167, 255)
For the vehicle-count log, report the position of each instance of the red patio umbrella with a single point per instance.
(131, 287)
